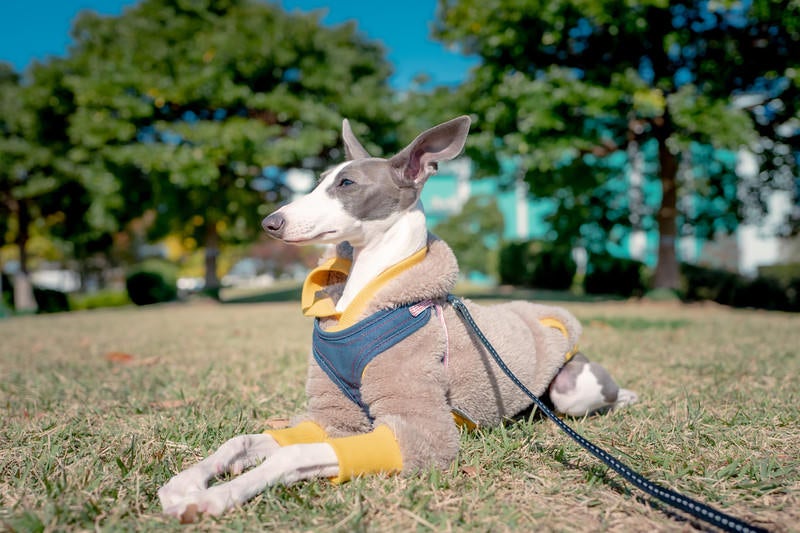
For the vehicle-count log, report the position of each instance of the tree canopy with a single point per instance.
(565, 87)
(194, 109)
(474, 233)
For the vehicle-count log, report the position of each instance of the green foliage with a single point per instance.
(50, 300)
(663, 295)
(784, 272)
(152, 281)
(7, 293)
(194, 109)
(569, 89)
(761, 293)
(33, 178)
(607, 274)
(728, 288)
(474, 233)
(514, 262)
(702, 283)
(553, 267)
(793, 294)
(99, 299)
(537, 264)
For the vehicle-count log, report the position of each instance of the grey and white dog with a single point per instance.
(374, 205)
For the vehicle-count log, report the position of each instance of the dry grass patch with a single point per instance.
(100, 408)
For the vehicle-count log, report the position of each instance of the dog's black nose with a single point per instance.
(274, 224)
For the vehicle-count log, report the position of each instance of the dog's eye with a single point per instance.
(344, 182)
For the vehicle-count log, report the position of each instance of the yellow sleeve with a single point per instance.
(303, 433)
(368, 453)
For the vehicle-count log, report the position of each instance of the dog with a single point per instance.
(393, 370)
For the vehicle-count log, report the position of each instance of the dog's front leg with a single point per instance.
(286, 465)
(234, 456)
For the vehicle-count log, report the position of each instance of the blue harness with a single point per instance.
(344, 355)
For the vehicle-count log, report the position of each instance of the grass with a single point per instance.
(100, 408)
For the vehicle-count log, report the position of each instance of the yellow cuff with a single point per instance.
(302, 433)
(369, 453)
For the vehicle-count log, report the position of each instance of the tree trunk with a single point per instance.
(23, 290)
(212, 252)
(667, 274)
(23, 222)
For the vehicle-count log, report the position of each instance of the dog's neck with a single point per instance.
(385, 247)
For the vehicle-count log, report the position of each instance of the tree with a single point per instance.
(569, 86)
(197, 107)
(473, 233)
(41, 188)
(33, 143)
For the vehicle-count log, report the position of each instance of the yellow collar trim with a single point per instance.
(315, 302)
(557, 324)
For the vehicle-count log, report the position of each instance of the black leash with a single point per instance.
(693, 507)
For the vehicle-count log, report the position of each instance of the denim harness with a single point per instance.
(344, 355)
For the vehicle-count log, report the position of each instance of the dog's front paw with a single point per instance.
(193, 506)
(178, 488)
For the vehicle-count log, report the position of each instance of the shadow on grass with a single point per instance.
(596, 471)
(506, 292)
(292, 292)
(283, 293)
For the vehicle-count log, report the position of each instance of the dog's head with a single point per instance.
(365, 194)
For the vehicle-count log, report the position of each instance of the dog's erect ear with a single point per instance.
(352, 148)
(417, 162)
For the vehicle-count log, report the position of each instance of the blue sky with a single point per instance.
(37, 29)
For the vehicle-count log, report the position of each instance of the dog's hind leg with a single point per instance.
(286, 465)
(582, 387)
(234, 456)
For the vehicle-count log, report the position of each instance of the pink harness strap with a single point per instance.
(417, 308)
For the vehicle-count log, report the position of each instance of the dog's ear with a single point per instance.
(417, 162)
(352, 148)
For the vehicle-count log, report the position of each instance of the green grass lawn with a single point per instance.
(99, 408)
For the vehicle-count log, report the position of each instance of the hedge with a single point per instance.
(607, 274)
(152, 281)
(729, 288)
(538, 264)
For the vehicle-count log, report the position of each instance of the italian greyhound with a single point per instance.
(372, 206)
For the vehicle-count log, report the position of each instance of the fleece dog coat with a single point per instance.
(409, 394)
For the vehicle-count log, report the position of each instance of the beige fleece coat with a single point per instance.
(409, 389)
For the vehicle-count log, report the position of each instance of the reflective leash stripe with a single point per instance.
(691, 506)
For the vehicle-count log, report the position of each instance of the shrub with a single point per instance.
(793, 294)
(607, 274)
(7, 296)
(99, 299)
(761, 293)
(514, 258)
(152, 281)
(50, 300)
(552, 267)
(701, 283)
(536, 264)
(786, 273)
(47, 300)
(728, 288)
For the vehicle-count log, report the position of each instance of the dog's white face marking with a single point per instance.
(317, 218)
(354, 202)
